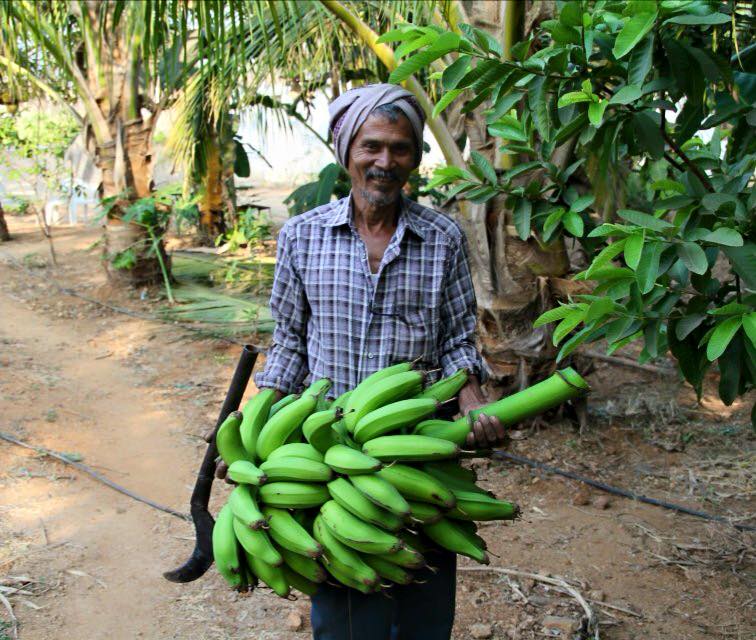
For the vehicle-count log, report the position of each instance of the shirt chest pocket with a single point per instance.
(413, 334)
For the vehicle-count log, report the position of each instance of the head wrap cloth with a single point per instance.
(350, 110)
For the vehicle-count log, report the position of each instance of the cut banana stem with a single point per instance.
(564, 385)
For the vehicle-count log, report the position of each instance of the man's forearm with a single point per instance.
(471, 394)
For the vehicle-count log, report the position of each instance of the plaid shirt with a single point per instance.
(334, 321)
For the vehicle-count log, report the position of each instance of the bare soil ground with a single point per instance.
(131, 397)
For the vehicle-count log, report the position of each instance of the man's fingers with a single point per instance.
(501, 432)
(208, 436)
(221, 469)
(470, 440)
(480, 435)
(488, 429)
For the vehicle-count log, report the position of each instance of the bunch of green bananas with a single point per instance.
(357, 488)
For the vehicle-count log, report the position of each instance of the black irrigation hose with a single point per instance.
(503, 455)
(95, 474)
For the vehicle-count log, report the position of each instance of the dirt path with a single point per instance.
(131, 398)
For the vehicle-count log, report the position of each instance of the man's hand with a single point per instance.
(487, 431)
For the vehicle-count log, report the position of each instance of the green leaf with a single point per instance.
(409, 46)
(398, 35)
(731, 308)
(687, 324)
(640, 61)
(721, 337)
(632, 33)
(633, 249)
(743, 261)
(749, 325)
(445, 101)
(552, 315)
(648, 266)
(572, 97)
(575, 341)
(646, 131)
(567, 325)
(507, 132)
(573, 223)
(537, 101)
(485, 167)
(598, 309)
(571, 128)
(665, 184)
(241, 160)
(693, 257)
(730, 371)
(714, 201)
(605, 256)
(725, 236)
(414, 63)
(626, 95)
(503, 105)
(455, 72)
(552, 222)
(582, 203)
(624, 342)
(712, 18)
(690, 359)
(596, 112)
(644, 220)
(522, 212)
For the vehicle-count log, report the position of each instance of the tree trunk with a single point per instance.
(4, 234)
(212, 223)
(126, 166)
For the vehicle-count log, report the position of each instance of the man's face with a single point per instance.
(381, 158)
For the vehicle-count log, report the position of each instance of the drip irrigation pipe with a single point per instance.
(617, 491)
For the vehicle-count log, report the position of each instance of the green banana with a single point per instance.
(344, 459)
(228, 440)
(377, 394)
(340, 402)
(424, 513)
(365, 387)
(406, 558)
(357, 533)
(225, 549)
(295, 437)
(352, 499)
(456, 479)
(417, 485)
(299, 582)
(283, 402)
(244, 472)
(404, 413)
(304, 566)
(318, 429)
(446, 388)
(290, 468)
(410, 448)
(444, 429)
(388, 570)
(318, 387)
(244, 506)
(257, 543)
(297, 450)
(271, 575)
(346, 577)
(453, 469)
(289, 534)
(255, 414)
(341, 561)
(294, 495)
(451, 536)
(278, 428)
(382, 493)
(481, 507)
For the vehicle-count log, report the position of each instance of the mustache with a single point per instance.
(380, 173)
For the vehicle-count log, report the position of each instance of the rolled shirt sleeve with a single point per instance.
(286, 364)
(459, 317)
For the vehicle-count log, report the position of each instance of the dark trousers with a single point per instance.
(423, 610)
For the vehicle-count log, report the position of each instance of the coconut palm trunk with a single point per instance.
(4, 233)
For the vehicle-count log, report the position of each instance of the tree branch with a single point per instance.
(681, 154)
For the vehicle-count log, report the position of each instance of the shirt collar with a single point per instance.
(342, 214)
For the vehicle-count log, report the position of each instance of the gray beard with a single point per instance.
(377, 200)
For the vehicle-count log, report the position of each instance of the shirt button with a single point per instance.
(370, 356)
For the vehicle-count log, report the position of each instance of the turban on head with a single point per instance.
(350, 110)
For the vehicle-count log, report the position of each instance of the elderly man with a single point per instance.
(365, 282)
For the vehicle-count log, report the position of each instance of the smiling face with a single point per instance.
(381, 157)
